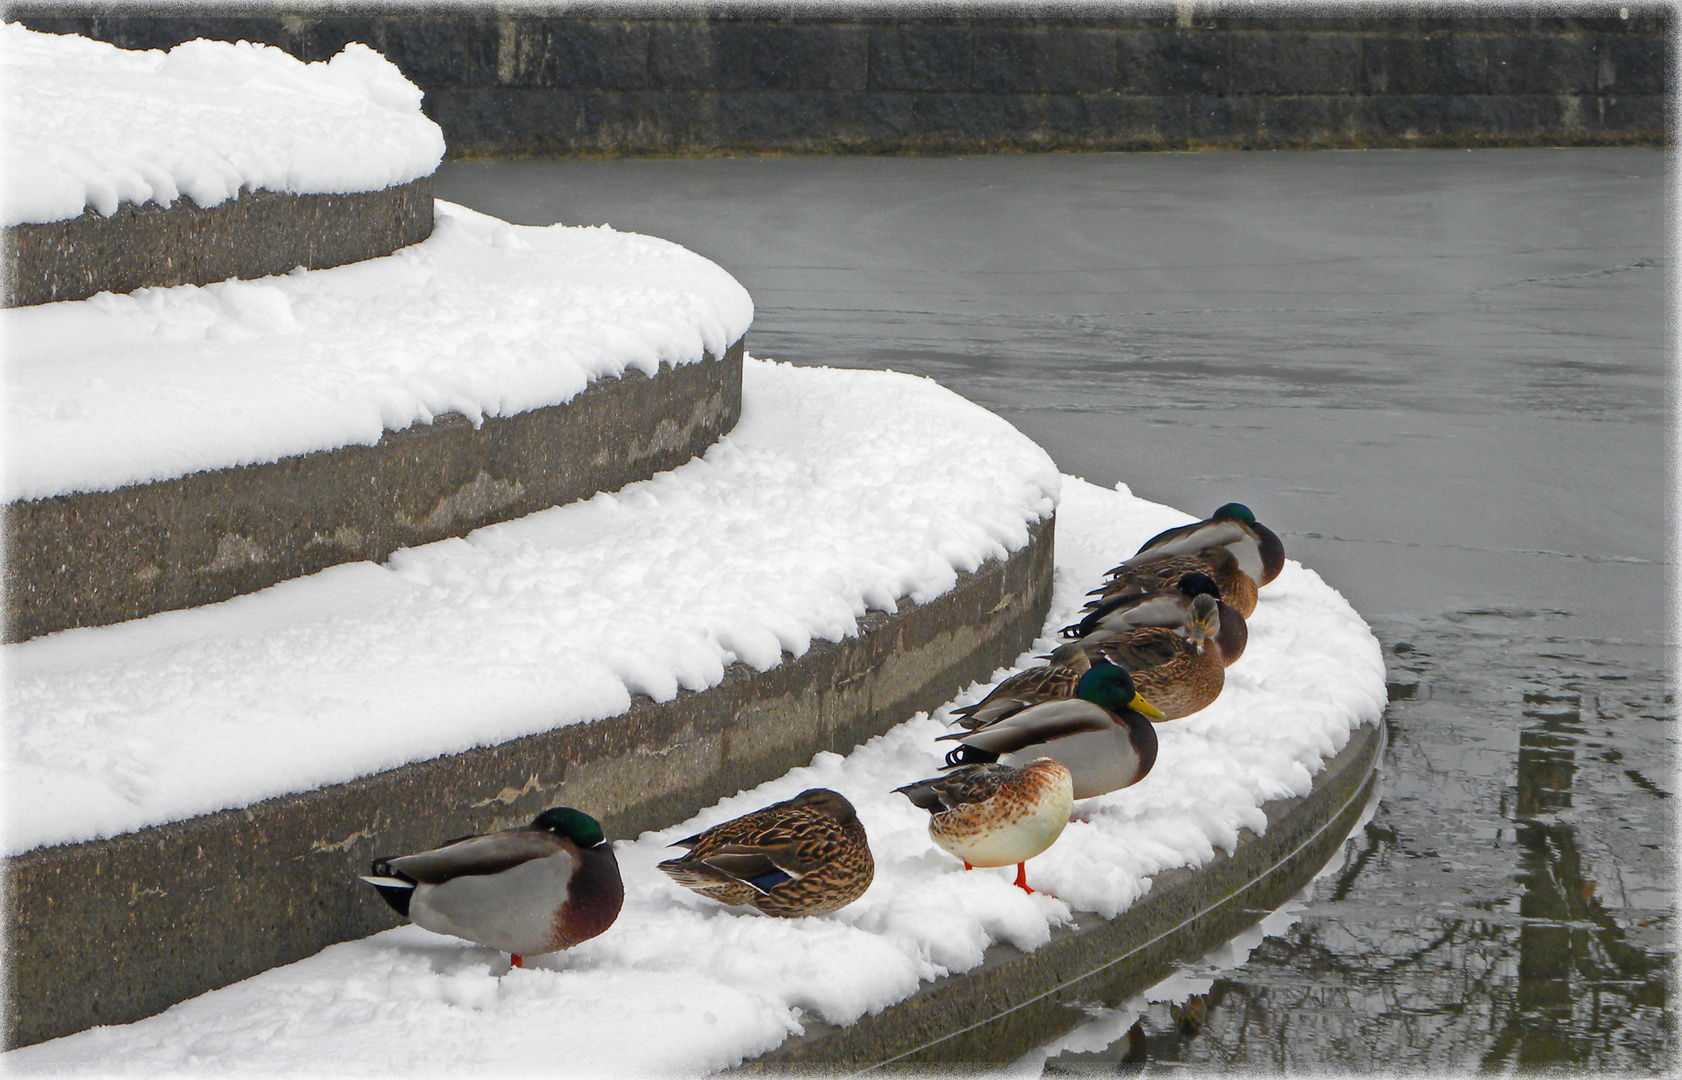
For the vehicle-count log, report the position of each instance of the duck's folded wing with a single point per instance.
(1144, 647)
(1190, 538)
(488, 854)
(762, 868)
(1036, 725)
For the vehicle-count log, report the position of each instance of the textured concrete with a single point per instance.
(1013, 1001)
(109, 931)
(95, 558)
(258, 234)
(650, 79)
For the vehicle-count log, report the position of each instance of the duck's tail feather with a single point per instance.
(395, 887)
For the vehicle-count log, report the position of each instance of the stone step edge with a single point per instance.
(256, 234)
(1014, 1001)
(111, 931)
(96, 558)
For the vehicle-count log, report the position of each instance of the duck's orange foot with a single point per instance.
(515, 960)
(1022, 878)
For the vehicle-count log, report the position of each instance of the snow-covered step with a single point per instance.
(1261, 783)
(128, 169)
(176, 447)
(859, 548)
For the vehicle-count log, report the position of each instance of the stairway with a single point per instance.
(309, 567)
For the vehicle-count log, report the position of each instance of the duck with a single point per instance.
(1103, 734)
(1258, 548)
(530, 890)
(995, 815)
(1162, 607)
(804, 856)
(1179, 673)
(1164, 571)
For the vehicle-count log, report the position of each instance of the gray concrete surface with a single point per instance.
(255, 235)
(109, 931)
(95, 558)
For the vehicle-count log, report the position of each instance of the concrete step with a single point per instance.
(202, 443)
(348, 665)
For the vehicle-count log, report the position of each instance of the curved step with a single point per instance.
(774, 547)
(200, 443)
(109, 931)
(100, 557)
(130, 169)
(256, 234)
(1014, 1001)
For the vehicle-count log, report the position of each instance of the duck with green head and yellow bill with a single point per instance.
(1178, 672)
(1103, 734)
(996, 815)
(1259, 551)
(529, 890)
(1166, 608)
(805, 856)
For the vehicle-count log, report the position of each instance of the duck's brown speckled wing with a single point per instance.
(1050, 682)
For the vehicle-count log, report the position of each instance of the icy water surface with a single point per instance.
(1442, 377)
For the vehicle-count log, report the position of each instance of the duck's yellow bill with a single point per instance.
(1139, 704)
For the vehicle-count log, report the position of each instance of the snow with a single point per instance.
(823, 503)
(92, 125)
(483, 318)
(681, 985)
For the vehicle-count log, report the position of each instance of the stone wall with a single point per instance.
(635, 79)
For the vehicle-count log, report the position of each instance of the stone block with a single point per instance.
(1436, 63)
(682, 56)
(1403, 118)
(1541, 64)
(444, 51)
(1006, 61)
(975, 121)
(1220, 120)
(920, 56)
(1629, 64)
(513, 120)
(1077, 60)
(1318, 120)
(324, 37)
(577, 54)
(1189, 62)
(651, 121)
(885, 119)
(1286, 63)
(1650, 116)
(1138, 123)
(776, 55)
(772, 119)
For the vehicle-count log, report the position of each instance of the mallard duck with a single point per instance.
(1103, 733)
(805, 856)
(1179, 674)
(995, 815)
(1162, 607)
(528, 890)
(1164, 571)
(1260, 552)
